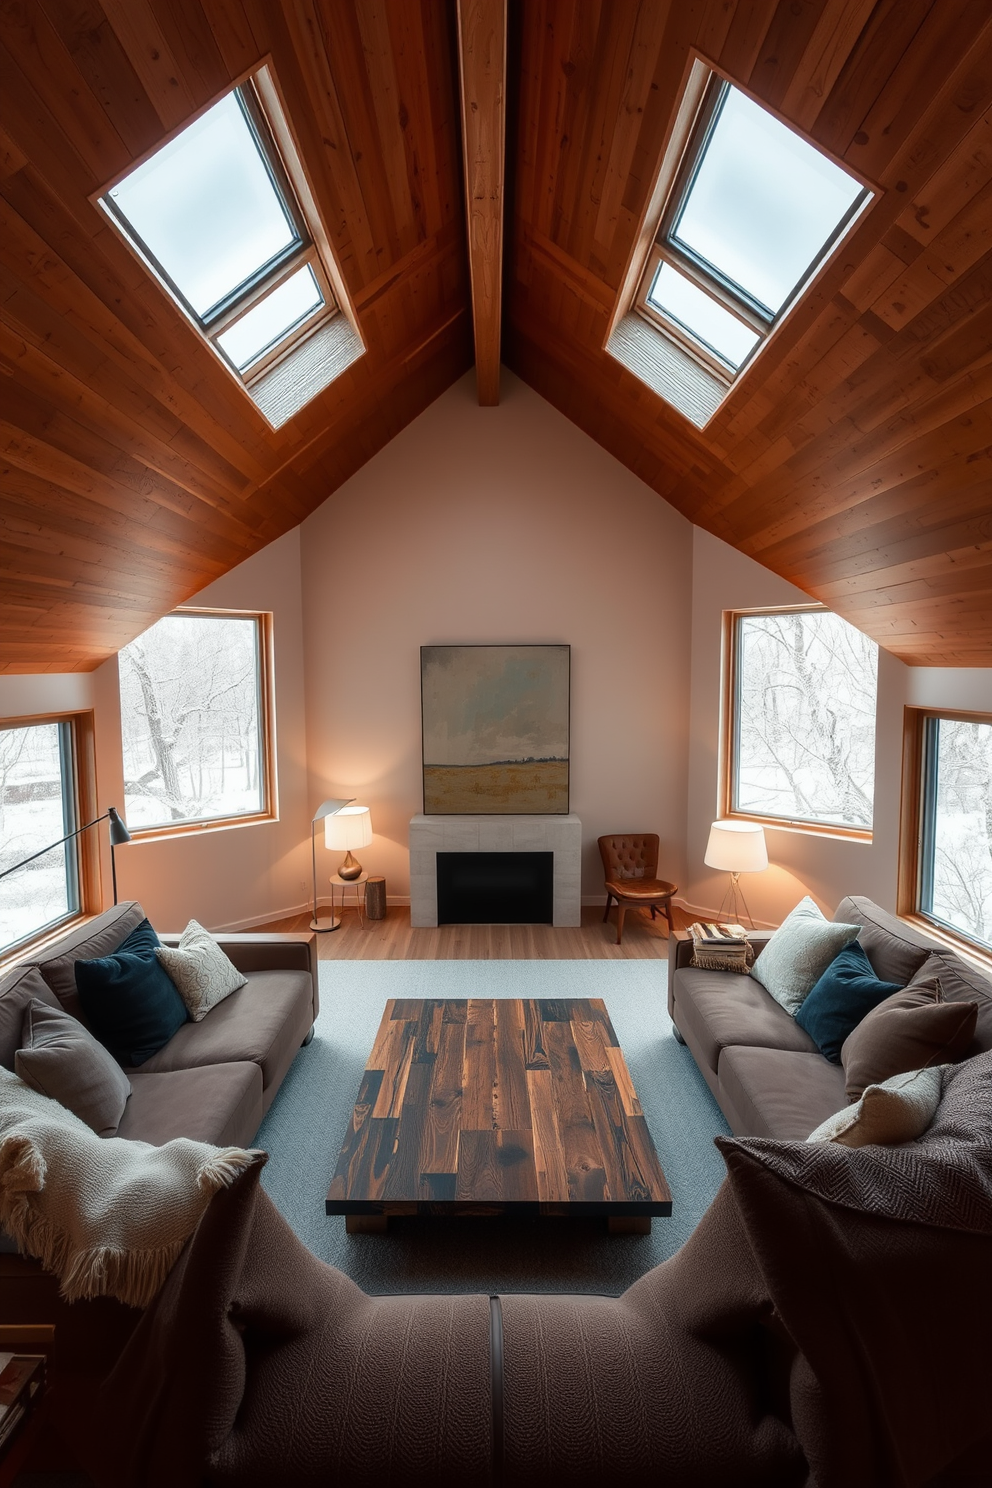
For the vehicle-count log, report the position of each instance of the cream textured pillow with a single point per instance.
(898, 1110)
(60, 1058)
(799, 953)
(202, 972)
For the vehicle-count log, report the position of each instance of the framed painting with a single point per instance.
(495, 722)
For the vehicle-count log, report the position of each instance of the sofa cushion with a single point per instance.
(718, 1009)
(265, 1022)
(894, 948)
(909, 1030)
(129, 1000)
(203, 974)
(95, 938)
(219, 1103)
(19, 987)
(60, 1058)
(961, 982)
(799, 952)
(778, 1093)
(844, 994)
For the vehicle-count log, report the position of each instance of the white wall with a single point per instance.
(503, 524)
(799, 862)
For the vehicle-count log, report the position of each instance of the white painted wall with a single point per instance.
(502, 524)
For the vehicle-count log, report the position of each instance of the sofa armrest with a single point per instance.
(680, 946)
(266, 951)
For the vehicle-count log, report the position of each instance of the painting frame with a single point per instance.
(495, 728)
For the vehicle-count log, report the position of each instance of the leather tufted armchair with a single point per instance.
(630, 865)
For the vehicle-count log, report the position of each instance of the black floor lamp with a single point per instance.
(119, 834)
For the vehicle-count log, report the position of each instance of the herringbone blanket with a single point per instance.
(107, 1215)
(944, 1178)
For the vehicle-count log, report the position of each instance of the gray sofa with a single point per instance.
(767, 1074)
(214, 1080)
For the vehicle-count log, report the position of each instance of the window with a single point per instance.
(948, 837)
(215, 215)
(749, 210)
(195, 722)
(42, 799)
(799, 746)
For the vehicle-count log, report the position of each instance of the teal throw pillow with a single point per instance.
(846, 992)
(130, 1002)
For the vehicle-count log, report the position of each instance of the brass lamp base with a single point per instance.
(350, 868)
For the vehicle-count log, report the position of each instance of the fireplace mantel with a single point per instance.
(430, 835)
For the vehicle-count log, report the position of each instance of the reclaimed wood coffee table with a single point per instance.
(488, 1107)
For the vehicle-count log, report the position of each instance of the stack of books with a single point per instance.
(21, 1379)
(721, 947)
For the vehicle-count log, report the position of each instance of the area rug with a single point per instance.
(307, 1121)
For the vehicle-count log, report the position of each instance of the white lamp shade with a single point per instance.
(736, 847)
(350, 827)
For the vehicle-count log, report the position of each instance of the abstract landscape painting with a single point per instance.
(495, 730)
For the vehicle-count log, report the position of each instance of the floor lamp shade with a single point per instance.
(348, 828)
(736, 847)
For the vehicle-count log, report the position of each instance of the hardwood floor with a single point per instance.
(393, 939)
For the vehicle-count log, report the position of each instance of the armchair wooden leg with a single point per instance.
(606, 911)
(668, 916)
(621, 911)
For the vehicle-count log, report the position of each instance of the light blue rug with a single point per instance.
(306, 1123)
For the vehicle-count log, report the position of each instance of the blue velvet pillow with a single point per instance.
(845, 993)
(130, 1001)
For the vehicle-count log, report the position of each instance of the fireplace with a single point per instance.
(558, 838)
(495, 888)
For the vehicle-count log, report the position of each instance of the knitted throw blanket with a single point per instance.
(107, 1215)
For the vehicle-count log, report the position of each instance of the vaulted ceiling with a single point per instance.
(855, 457)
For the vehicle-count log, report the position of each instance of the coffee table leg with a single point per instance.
(624, 1224)
(366, 1224)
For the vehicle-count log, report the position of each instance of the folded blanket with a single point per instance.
(107, 1215)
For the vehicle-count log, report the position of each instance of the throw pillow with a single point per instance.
(799, 953)
(201, 970)
(844, 994)
(60, 1059)
(909, 1030)
(898, 1110)
(129, 1000)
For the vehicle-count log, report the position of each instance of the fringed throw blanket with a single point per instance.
(107, 1215)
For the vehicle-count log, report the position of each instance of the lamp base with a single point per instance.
(323, 925)
(733, 900)
(350, 868)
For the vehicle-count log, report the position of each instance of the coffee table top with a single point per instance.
(493, 1105)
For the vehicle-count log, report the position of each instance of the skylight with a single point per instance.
(215, 215)
(752, 212)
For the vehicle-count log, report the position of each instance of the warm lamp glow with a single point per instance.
(350, 827)
(736, 847)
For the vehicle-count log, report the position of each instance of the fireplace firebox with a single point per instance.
(495, 888)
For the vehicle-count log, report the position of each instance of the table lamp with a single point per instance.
(324, 812)
(737, 847)
(350, 827)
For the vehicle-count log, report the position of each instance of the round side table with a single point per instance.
(345, 884)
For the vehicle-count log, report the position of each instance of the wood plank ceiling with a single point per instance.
(855, 458)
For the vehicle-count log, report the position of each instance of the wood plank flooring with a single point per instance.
(394, 939)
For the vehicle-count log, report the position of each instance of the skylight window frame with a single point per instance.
(703, 94)
(262, 102)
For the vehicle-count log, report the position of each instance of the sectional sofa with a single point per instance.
(766, 1072)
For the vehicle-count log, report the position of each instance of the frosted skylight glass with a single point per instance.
(702, 316)
(269, 320)
(206, 207)
(763, 203)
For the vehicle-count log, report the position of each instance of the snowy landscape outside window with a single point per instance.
(802, 739)
(193, 721)
(37, 807)
(956, 840)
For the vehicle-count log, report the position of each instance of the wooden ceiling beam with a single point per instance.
(482, 71)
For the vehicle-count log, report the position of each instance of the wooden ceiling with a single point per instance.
(855, 459)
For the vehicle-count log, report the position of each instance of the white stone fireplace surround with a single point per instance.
(430, 835)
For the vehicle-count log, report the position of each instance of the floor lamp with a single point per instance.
(326, 808)
(119, 834)
(737, 847)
